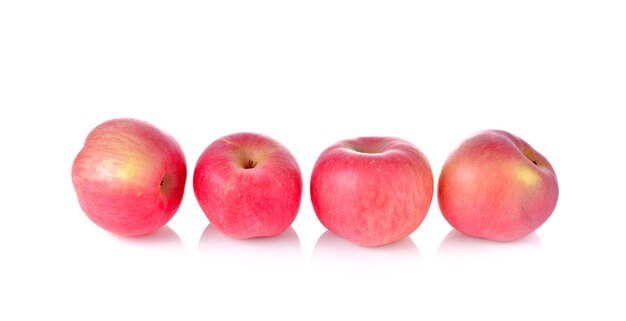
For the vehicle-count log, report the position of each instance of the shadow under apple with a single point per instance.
(133, 255)
(334, 252)
(280, 250)
(163, 238)
(457, 246)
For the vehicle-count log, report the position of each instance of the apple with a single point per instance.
(372, 190)
(496, 186)
(129, 177)
(248, 185)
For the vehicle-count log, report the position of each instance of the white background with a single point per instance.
(310, 74)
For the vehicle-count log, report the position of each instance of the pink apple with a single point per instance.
(495, 186)
(129, 177)
(248, 185)
(372, 190)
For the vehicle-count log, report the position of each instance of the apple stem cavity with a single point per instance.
(529, 154)
(366, 150)
(163, 185)
(250, 164)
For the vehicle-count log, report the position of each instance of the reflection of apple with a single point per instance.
(372, 190)
(248, 185)
(331, 249)
(284, 248)
(162, 240)
(129, 177)
(459, 245)
(495, 186)
(459, 248)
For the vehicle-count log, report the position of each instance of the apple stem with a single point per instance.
(250, 164)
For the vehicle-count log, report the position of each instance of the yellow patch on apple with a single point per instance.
(128, 169)
(527, 175)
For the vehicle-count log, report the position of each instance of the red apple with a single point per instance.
(495, 186)
(372, 190)
(129, 177)
(248, 185)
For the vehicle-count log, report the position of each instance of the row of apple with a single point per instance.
(130, 178)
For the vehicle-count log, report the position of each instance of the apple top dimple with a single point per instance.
(368, 145)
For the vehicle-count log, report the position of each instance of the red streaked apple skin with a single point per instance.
(372, 190)
(496, 186)
(248, 185)
(129, 177)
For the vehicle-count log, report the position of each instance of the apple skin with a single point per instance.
(496, 186)
(372, 190)
(248, 185)
(129, 177)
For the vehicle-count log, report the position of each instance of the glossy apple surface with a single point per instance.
(248, 185)
(496, 186)
(129, 177)
(372, 190)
